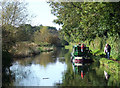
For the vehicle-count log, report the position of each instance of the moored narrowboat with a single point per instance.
(80, 54)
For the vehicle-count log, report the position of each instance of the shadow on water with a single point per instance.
(7, 77)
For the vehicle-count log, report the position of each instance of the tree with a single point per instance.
(25, 33)
(47, 35)
(13, 13)
(86, 20)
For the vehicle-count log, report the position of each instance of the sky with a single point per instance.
(42, 12)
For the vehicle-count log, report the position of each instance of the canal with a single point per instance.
(56, 69)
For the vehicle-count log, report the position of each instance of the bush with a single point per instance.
(6, 59)
(115, 44)
(98, 44)
(64, 42)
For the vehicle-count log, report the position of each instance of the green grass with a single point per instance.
(111, 67)
(110, 64)
(69, 47)
(47, 48)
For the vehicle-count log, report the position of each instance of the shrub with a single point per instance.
(99, 44)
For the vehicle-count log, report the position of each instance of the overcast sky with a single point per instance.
(42, 11)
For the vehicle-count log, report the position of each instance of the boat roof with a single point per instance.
(75, 46)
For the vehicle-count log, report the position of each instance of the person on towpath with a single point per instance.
(107, 50)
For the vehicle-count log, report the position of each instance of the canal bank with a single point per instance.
(111, 66)
(29, 49)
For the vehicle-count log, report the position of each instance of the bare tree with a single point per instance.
(13, 12)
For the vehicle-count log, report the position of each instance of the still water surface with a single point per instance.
(55, 68)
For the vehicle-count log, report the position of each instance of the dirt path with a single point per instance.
(115, 60)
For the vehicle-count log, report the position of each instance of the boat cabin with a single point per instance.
(77, 51)
(80, 55)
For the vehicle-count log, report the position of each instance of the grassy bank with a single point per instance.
(98, 55)
(112, 68)
(97, 46)
(110, 65)
(28, 49)
(46, 48)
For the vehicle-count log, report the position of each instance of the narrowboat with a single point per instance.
(78, 56)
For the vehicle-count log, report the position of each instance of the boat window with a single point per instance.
(76, 49)
(79, 49)
(87, 48)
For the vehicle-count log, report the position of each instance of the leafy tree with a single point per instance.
(46, 35)
(8, 38)
(86, 20)
(24, 33)
(13, 13)
(42, 35)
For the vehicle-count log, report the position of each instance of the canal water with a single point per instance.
(56, 69)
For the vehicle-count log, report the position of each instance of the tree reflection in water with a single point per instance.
(87, 74)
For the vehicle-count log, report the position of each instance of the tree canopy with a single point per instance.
(86, 20)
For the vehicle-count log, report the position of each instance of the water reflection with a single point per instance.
(84, 75)
(87, 74)
(81, 69)
(45, 69)
(37, 75)
(45, 59)
(55, 68)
